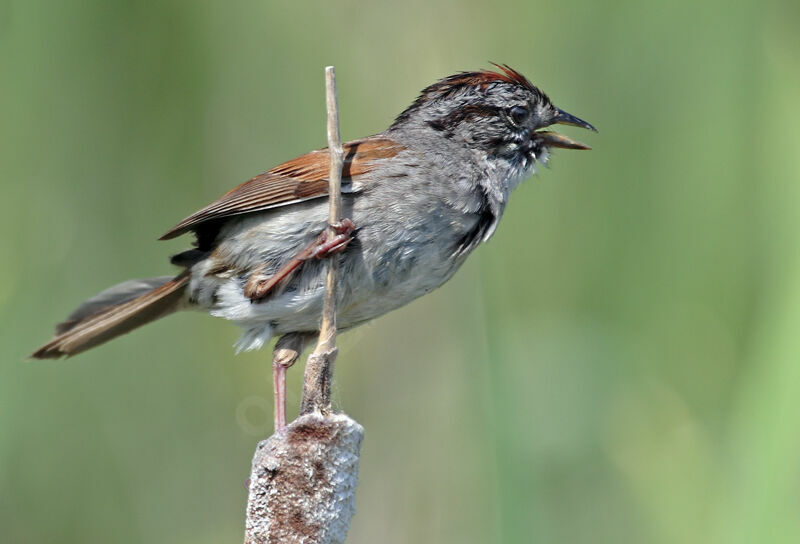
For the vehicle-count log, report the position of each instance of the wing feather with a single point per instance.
(302, 178)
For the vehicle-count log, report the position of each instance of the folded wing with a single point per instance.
(297, 180)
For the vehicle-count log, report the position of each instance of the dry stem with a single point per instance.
(319, 367)
(303, 479)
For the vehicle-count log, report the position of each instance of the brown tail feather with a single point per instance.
(115, 320)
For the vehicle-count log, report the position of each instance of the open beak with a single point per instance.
(554, 139)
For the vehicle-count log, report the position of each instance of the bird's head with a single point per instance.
(497, 113)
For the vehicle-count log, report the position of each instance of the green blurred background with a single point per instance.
(620, 364)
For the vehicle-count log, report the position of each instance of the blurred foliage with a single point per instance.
(620, 364)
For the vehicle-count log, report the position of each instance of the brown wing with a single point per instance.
(299, 179)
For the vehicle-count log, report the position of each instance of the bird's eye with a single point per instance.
(518, 114)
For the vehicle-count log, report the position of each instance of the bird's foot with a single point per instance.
(329, 242)
(332, 240)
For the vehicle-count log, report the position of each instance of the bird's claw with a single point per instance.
(333, 240)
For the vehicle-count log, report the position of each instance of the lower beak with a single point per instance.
(554, 139)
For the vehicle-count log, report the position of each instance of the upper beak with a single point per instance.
(564, 118)
(554, 139)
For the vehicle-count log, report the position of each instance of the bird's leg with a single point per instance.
(287, 351)
(324, 245)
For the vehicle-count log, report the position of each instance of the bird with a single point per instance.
(417, 199)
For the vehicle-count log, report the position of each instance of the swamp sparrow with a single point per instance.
(420, 196)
